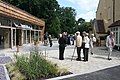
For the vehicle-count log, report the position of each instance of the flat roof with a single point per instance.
(12, 11)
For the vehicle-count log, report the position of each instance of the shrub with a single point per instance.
(35, 67)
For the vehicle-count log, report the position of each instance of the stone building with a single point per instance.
(107, 16)
(18, 27)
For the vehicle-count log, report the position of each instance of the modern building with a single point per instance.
(108, 18)
(18, 27)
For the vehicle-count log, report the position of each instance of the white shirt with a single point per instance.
(87, 42)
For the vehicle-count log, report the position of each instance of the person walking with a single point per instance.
(110, 43)
(92, 41)
(87, 41)
(78, 45)
(62, 44)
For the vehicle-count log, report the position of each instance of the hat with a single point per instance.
(92, 34)
(83, 32)
(77, 32)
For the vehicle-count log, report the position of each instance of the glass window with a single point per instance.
(117, 29)
(113, 29)
(116, 38)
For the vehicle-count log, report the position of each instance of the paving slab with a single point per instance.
(2, 73)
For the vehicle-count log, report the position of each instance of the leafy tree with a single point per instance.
(82, 25)
(67, 19)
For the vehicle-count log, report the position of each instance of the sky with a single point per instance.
(85, 9)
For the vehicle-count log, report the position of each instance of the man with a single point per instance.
(83, 42)
(110, 43)
(78, 45)
(87, 41)
(92, 41)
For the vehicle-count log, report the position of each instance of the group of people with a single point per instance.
(47, 38)
(85, 42)
(82, 42)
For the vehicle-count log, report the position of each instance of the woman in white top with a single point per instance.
(87, 45)
(92, 41)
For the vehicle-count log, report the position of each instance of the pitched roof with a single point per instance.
(99, 26)
(117, 23)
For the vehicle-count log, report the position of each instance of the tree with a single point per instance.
(82, 25)
(67, 19)
(57, 19)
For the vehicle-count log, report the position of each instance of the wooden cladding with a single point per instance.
(15, 12)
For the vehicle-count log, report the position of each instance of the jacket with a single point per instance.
(78, 41)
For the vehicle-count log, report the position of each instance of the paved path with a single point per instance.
(96, 62)
(3, 60)
(105, 74)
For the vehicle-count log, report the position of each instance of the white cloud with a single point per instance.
(87, 16)
(86, 8)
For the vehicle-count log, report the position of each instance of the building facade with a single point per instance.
(18, 27)
(109, 12)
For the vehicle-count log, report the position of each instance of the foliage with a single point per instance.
(82, 25)
(35, 67)
(67, 19)
(57, 19)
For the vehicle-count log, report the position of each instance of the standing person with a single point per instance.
(87, 41)
(83, 42)
(50, 40)
(62, 44)
(78, 45)
(110, 43)
(46, 38)
(92, 41)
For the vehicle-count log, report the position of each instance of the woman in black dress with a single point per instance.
(62, 44)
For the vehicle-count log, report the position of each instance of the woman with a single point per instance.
(92, 41)
(62, 44)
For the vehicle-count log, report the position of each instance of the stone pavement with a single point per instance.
(3, 60)
(96, 62)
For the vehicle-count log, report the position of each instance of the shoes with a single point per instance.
(61, 59)
(85, 60)
(78, 59)
(109, 58)
(91, 53)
